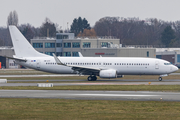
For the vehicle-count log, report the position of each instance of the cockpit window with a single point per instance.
(167, 63)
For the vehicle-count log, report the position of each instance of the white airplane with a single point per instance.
(104, 67)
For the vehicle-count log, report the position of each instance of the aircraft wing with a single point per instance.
(14, 58)
(81, 69)
(86, 70)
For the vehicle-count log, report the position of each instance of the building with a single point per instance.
(170, 54)
(5, 62)
(65, 44)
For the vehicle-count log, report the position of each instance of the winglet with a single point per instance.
(80, 55)
(57, 60)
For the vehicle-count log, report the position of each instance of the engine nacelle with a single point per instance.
(108, 74)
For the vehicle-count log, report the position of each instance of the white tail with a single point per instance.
(22, 47)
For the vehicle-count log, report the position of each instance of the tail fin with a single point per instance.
(22, 47)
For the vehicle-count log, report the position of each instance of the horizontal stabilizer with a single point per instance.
(14, 58)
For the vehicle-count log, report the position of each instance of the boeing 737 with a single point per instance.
(104, 67)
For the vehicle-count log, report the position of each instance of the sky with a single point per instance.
(63, 12)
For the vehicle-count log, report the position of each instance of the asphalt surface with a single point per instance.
(98, 82)
(92, 95)
(101, 80)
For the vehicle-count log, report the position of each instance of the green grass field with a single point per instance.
(60, 109)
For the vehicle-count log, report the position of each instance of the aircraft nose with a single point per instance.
(175, 68)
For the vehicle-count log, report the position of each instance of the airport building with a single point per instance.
(170, 54)
(5, 62)
(65, 44)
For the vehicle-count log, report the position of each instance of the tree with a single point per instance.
(167, 36)
(79, 25)
(48, 28)
(28, 33)
(12, 18)
(87, 33)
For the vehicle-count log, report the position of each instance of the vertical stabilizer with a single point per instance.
(22, 47)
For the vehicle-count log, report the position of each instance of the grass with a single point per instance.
(174, 88)
(54, 109)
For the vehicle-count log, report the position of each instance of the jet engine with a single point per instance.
(108, 74)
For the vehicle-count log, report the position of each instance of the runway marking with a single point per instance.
(110, 95)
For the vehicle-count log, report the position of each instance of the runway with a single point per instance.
(85, 82)
(92, 95)
(100, 80)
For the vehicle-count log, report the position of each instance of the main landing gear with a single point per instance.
(92, 78)
(160, 78)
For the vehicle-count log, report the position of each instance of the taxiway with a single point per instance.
(92, 95)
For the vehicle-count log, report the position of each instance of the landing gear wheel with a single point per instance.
(94, 78)
(89, 78)
(160, 78)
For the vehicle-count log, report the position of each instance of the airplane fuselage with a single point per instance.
(123, 65)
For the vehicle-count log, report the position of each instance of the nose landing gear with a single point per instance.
(92, 78)
(160, 77)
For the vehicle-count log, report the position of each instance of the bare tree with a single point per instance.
(12, 18)
(48, 28)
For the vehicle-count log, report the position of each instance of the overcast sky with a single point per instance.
(62, 12)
